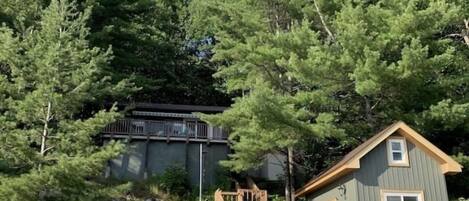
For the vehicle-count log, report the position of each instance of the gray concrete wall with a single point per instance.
(423, 174)
(131, 165)
(273, 167)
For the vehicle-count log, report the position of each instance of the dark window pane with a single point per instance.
(396, 146)
(393, 198)
(397, 156)
(410, 198)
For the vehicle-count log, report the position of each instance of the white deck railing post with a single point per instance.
(196, 129)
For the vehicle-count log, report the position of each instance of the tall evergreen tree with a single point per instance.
(365, 63)
(150, 45)
(48, 76)
(256, 40)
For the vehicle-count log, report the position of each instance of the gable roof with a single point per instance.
(351, 161)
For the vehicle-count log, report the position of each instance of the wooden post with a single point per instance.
(263, 195)
(218, 196)
(239, 197)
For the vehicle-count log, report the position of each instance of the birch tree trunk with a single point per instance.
(45, 131)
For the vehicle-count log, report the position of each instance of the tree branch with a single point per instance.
(464, 33)
(454, 35)
(48, 148)
(376, 104)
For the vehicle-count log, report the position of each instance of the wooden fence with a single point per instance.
(241, 195)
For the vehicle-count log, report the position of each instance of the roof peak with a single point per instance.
(351, 161)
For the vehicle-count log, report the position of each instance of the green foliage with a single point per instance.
(20, 14)
(150, 46)
(318, 78)
(146, 189)
(460, 182)
(64, 180)
(172, 185)
(343, 66)
(276, 198)
(175, 180)
(48, 76)
(261, 123)
(223, 180)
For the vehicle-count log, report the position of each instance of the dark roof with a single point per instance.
(179, 108)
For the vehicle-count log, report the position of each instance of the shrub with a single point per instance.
(223, 179)
(175, 180)
(276, 198)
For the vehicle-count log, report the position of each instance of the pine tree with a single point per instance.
(256, 41)
(48, 76)
(150, 45)
(360, 64)
(265, 122)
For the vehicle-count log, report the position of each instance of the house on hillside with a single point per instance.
(159, 136)
(397, 164)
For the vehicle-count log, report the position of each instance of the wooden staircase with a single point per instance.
(252, 193)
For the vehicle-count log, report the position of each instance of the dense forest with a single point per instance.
(307, 79)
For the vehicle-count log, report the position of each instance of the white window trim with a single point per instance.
(405, 157)
(385, 193)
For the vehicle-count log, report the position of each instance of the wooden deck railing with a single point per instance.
(241, 195)
(173, 129)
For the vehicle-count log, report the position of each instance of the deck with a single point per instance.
(171, 130)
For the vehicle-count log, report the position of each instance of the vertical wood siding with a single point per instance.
(423, 174)
(343, 189)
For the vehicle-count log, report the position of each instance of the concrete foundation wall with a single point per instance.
(160, 155)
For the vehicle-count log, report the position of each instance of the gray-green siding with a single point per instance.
(131, 165)
(343, 189)
(423, 174)
(374, 175)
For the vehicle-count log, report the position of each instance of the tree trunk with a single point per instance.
(45, 131)
(323, 22)
(466, 36)
(368, 112)
(289, 189)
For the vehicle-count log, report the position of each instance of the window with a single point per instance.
(402, 196)
(397, 152)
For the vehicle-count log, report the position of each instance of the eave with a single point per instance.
(351, 161)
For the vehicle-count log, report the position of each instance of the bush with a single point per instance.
(175, 180)
(276, 198)
(172, 185)
(459, 182)
(223, 179)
